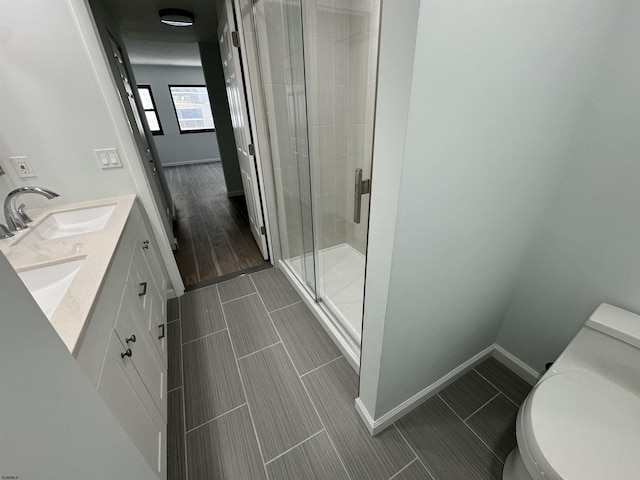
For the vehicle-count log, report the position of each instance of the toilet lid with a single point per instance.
(584, 427)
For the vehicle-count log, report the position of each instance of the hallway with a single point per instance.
(212, 229)
(258, 390)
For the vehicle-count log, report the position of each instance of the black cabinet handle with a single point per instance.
(132, 338)
(127, 353)
(144, 289)
(161, 327)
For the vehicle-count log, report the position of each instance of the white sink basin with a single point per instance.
(49, 284)
(72, 222)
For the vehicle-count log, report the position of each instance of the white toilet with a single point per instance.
(582, 419)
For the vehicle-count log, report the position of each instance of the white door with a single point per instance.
(241, 127)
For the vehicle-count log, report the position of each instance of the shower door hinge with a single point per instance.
(263, 230)
(235, 39)
(252, 149)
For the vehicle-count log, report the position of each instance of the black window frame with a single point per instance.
(175, 111)
(154, 109)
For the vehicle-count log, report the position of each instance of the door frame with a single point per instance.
(95, 32)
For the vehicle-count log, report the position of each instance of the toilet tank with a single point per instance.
(608, 345)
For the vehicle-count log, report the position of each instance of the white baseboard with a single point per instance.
(520, 368)
(379, 424)
(516, 365)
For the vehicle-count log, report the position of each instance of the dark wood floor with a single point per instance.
(214, 238)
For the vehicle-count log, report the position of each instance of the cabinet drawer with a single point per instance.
(152, 257)
(146, 297)
(144, 356)
(123, 391)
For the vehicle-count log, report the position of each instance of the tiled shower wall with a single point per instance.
(338, 64)
(341, 45)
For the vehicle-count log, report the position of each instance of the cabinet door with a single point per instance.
(145, 358)
(143, 291)
(152, 256)
(123, 391)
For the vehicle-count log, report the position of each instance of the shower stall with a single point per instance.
(318, 67)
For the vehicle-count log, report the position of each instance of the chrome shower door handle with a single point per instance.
(362, 187)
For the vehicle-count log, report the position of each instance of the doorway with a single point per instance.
(212, 201)
(212, 228)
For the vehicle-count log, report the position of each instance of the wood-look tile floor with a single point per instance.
(214, 238)
(259, 391)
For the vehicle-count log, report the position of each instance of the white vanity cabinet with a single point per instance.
(145, 286)
(124, 348)
(124, 392)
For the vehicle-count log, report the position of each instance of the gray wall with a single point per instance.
(53, 422)
(174, 147)
(587, 252)
(493, 111)
(212, 67)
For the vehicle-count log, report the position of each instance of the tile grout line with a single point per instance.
(481, 407)
(496, 387)
(413, 451)
(260, 350)
(403, 468)
(244, 390)
(184, 408)
(203, 336)
(295, 446)
(281, 308)
(234, 299)
(173, 389)
(470, 429)
(302, 383)
(215, 418)
(323, 365)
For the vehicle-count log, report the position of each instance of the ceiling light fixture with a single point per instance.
(176, 17)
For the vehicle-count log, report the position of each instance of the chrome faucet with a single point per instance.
(16, 217)
(4, 232)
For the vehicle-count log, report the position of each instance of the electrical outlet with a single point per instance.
(108, 157)
(23, 167)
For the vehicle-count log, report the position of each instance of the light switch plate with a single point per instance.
(108, 158)
(23, 167)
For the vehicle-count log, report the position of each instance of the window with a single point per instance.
(192, 108)
(150, 110)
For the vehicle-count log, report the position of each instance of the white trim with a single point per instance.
(190, 162)
(345, 344)
(507, 359)
(517, 366)
(93, 40)
(253, 121)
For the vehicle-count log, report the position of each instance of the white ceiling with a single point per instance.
(150, 42)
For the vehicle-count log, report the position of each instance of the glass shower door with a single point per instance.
(318, 62)
(278, 27)
(341, 50)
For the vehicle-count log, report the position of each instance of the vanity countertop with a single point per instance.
(95, 248)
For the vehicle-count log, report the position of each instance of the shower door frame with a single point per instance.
(349, 346)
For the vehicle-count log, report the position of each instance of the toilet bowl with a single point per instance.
(582, 419)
